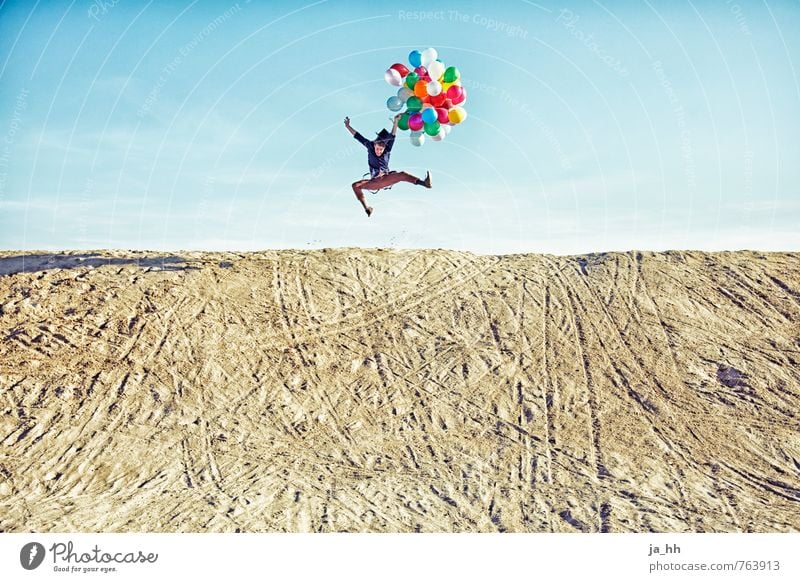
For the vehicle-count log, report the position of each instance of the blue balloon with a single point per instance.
(394, 103)
(429, 115)
(415, 58)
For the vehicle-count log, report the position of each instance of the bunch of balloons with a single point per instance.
(431, 93)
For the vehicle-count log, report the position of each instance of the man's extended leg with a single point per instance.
(357, 189)
(393, 178)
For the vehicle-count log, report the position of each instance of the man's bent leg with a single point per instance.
(358, 191)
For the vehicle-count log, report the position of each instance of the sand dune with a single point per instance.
(353, 390)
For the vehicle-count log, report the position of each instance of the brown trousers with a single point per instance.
(383, 181)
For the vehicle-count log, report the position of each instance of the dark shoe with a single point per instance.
(427, 181)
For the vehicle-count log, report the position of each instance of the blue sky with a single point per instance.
(218, 125)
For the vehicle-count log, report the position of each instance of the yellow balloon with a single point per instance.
(446, 86)
(456, 115)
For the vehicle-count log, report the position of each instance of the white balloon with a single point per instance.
(436, 70)
(403, 93)
(446, 128)
(439, 136)
(428, 56)
(417, 140)
(393, 77)
(434, 88)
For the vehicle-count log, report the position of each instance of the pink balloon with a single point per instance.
(421, 71)
(415, 122)
(441, 113)
(456, 94)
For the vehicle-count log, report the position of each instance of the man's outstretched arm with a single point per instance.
(359, 138)
(396, 119)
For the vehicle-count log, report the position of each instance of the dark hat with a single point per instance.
(383, 135)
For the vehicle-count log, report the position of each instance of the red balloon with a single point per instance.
(415, 122)
(421, 71)
(438, 100)
(400, 68)
(442, 114)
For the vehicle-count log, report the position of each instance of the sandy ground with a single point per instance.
(354, 390)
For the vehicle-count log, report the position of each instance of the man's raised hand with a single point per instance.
(347, 125)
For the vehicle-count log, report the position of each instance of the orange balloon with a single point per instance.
(421, 89)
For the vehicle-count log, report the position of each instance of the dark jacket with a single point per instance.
(377, 164)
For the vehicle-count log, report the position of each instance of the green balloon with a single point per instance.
(402, 123)
(451, 75)
(414, 104)
(411, 80)
(432, 128)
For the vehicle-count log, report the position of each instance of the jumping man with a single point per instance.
(381, 176)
